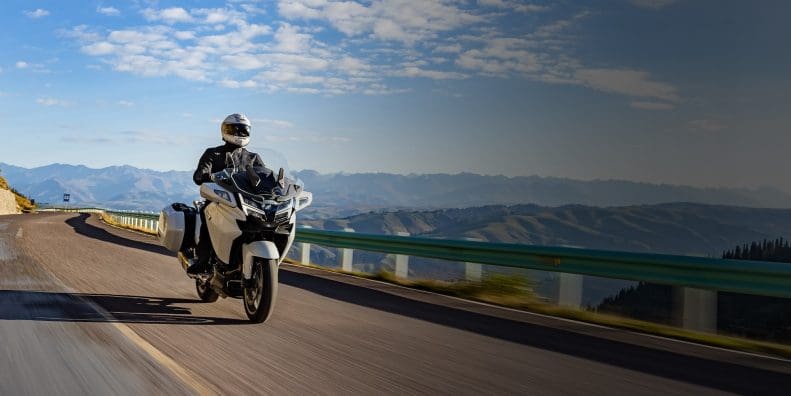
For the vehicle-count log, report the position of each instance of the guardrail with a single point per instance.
(699, 278)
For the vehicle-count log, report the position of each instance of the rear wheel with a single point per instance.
(205, 292)
(260, 292)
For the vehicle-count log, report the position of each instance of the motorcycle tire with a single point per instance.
(260, 293)
(206, 293)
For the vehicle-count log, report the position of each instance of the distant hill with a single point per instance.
(677, 228)
(467, 190)
(338, 195)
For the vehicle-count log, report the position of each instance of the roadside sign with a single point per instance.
(66, 197)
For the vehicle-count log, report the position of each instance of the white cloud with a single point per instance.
(643, 105)
(315, 139)
(273, 123)
(34, 67)
(37, 13)
(501, 57)
(627, 82)
(379, 39)
(414, 71)
(168, 15)
(109, 11)
(49, 102)
(100, 48)
(448, 48)
(513, 5)
(653, 4)
(126, 103)
(406, 21)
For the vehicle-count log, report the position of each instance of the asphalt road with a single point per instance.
(90, 309)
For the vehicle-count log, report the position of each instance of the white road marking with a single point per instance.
(19, 233)
(5, 252)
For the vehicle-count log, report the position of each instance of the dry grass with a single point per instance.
(22, 201)
(109, 220)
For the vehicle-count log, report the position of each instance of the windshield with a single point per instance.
(249, 175)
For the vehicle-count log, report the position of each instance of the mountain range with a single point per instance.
(341, 194)
(676, 228)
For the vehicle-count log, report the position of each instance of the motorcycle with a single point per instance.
(250, 214)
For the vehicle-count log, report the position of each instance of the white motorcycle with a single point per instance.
(250, 215)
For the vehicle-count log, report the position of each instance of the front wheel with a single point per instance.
(205, 292)
(260, 292)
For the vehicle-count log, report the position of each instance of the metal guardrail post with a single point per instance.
(473, 271)
(402, 262)
(304, 251)
(347, 255)
(698, 309)
(570, 290)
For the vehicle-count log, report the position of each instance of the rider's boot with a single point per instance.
(199, 266)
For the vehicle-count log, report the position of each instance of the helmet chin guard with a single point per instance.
(235, 129)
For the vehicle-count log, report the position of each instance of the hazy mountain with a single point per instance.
(122, 187)
(690, 229)
(680, 228)
(340, 195)
(466, 190)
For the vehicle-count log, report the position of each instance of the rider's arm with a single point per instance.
(203, 173)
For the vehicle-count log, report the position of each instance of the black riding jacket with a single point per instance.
(213, 160)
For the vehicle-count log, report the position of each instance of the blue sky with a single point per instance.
(673, 91)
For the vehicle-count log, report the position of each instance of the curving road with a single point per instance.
(90, 309)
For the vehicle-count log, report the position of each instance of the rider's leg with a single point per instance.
(203, 250)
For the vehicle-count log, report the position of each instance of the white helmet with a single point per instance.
(235, 129)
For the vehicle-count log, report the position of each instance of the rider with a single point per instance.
(235, 130)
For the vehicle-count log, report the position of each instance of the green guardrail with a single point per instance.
(752, 277)
(741, 276)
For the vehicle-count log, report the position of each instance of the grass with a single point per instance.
(109, 220)
(515, 292)
(22, 201)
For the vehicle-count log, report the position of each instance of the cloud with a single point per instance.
(513, 5)
(109, 11)
(705, 125)
(627, 82)
(653, 4)
(273, 123)
(37, 13)
(642, 105)
(34, 67)
(333, 47)
(315, 139)
(168, 15)
(406, 21)
(49, 102)
(414, 71)
(126, 103)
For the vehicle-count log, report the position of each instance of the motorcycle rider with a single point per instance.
(235, 132)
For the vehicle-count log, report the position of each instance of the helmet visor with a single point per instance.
(239, 130)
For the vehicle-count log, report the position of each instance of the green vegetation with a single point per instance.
(744, 315)
(22, 201)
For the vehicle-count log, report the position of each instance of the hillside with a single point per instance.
(11, 201)
(680, 228)
(341, 195)
(739, 314)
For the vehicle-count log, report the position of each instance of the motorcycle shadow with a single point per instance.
(81, 226)
(73, 307)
